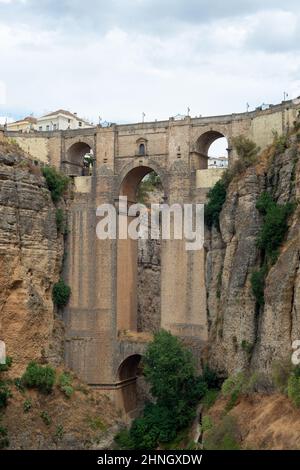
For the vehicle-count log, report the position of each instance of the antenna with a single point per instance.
(285, 95)
(143, 116)
(248, 106)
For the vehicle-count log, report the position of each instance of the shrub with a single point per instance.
(206, 423)
(60, 221)
(264, 203)
(258, 285)
(19, 384)
(209, 398)
(281, 142)
(56, 182)
(7, 365)
(247, 347)
(223, 436)
(59, 432)
(4, 441)
(124, 440)
(269, 239)
(233, 399)
(216, 198)
(246, 149)
(46, 418)
(232, 388)
(61, 293)
(274, 229)
(294, 389)
(27, 405)
(96, 424)
(39, 377)
(158, 424)
(247, 152)
(281, 371)
(65, 384)
(5, 394)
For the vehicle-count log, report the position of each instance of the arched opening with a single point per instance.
(80, 160)
(139, 261)
(212, 149)
(218, 153)
(128, 374)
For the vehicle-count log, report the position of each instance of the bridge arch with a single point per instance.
(127, 250)
(132, 174)
(206, 142)
(127, 376)
(75, 163)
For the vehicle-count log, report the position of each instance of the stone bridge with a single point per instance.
(103, 274)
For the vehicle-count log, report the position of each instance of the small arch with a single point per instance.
(129, 368)
(78, 163)
(212, 146)
(128, 372)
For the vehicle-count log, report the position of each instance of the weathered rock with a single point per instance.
(232, 256)
(31, 253)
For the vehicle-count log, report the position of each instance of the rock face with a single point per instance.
(149, 275)
(232, 255)
(31, 253)
(148, 288)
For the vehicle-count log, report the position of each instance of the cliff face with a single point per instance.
(232, 256)
(30, 258)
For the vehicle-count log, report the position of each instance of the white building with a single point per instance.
(217, 162)
(61, 120)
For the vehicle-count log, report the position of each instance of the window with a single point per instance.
(69, 120)
(142, 149)
(80, 124)
(47, 128)
(54, 127)
(40, 128)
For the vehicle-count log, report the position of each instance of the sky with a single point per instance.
(119, 58)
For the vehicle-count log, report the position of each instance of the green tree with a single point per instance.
(169, 369)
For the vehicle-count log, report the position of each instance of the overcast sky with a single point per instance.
(119, 58)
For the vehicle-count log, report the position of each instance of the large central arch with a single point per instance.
(127, 253)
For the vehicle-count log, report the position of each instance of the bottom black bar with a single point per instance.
(143, 459)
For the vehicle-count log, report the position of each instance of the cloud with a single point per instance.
(120, 58)
(2, 93)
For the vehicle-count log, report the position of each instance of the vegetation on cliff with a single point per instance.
(169, 369)
(61, 294)
(269, 239)
(57, 183)
(247, 152)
